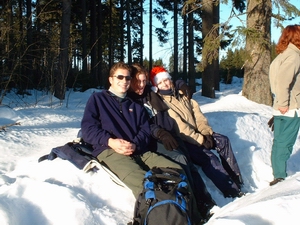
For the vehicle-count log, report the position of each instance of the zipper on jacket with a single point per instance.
(120, 107)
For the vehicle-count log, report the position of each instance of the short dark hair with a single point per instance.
(119, 65)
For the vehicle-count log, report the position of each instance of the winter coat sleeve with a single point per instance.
(91, 126)
(180, 111)
(104, 117)
(201, 121)
(283, 74)
(282, 88)
(142, 138)
(186, 132)
(154, 130)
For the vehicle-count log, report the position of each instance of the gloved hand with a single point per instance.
(208, 142)
(271, 123)
(167, 139)
(186, 90)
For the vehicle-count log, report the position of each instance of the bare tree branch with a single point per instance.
(3, 128)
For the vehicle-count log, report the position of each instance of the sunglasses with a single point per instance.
(121, 77)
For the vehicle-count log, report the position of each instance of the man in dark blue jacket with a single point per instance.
(119, 131)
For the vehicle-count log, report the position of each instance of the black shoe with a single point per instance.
(235, 195)
(204, 209)
(275, 181)
(205, 220)
(238, 180)
(240, 194)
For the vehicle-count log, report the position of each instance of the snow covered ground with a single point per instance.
(56, 192)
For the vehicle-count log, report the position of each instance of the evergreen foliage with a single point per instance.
(106, 31)
(232, 65)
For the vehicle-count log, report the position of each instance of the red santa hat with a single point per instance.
(157, 74)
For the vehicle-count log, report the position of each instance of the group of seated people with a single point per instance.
(141, 122)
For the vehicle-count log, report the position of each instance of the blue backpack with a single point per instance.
(164, 200)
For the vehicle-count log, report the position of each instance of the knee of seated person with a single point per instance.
(134, 181)
(172, 164)
(220, 137)
(178, 167)
(181, 159)
(222, 145)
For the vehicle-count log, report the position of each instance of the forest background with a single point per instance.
(61, 44)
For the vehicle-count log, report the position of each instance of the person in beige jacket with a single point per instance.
(284, 76)
(198, 137)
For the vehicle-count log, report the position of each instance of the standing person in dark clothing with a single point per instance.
(164, 138)
(119, 131)
(284, 78)
(198, 136)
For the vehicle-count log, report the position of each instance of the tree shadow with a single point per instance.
(293, 165)
(247, 219)
(234, 126)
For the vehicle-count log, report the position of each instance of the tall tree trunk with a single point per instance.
(84, 39)
(29, 54)
(60, 82)
(101, 78)
(23, 80)
(208, 81)
(10, 42)
(110, 44)
(141, 34)
(215, 62)
(192, 71)
(184, 69)
(93, 43)
(256, 85)
(150, 34)
(175, 40)
(122, 30)
(129, 49)
(7, 59)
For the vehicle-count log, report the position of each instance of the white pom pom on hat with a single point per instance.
(157, 74)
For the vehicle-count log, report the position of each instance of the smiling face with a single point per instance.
(120, 81)
(138, 83)
(164, 84)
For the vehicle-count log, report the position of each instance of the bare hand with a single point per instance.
(283, 110)
(121, 146)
